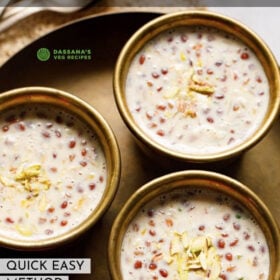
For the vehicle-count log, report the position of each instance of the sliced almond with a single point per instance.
(185, 240)
(215, 270)
(143, 231)
(24, 230)
(200, 86)
(183, 274)
(79, 204)
(171, 93)
(194, 254)
(197, 244)
(168, 259)
(25, 203)
(209, 241)
(43, 203)
(29, 172)
(182, 56)
(194, 266)
(211, 254)
(195, 79)
(7, 182)
(190, 113)
(46, 184)
(203, 261)
(208, 90)
(175, 246)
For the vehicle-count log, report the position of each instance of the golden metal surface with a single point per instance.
(95, 122)
(202, 180)
(92, 81)
(190, 18)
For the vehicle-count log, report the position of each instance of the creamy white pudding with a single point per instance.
(197, 90)
(194, 234)
(52, 172)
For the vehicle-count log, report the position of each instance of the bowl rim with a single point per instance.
(89, 115)
(213, 19)
(189, 179)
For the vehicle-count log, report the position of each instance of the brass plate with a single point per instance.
(91, 80)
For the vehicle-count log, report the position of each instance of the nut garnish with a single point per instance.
(24, 230)
(32, 179)
(29, 172)
(200, 86)
(197, 255)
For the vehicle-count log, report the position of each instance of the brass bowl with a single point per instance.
(195, 18)
(94, 121)
(189, 180)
